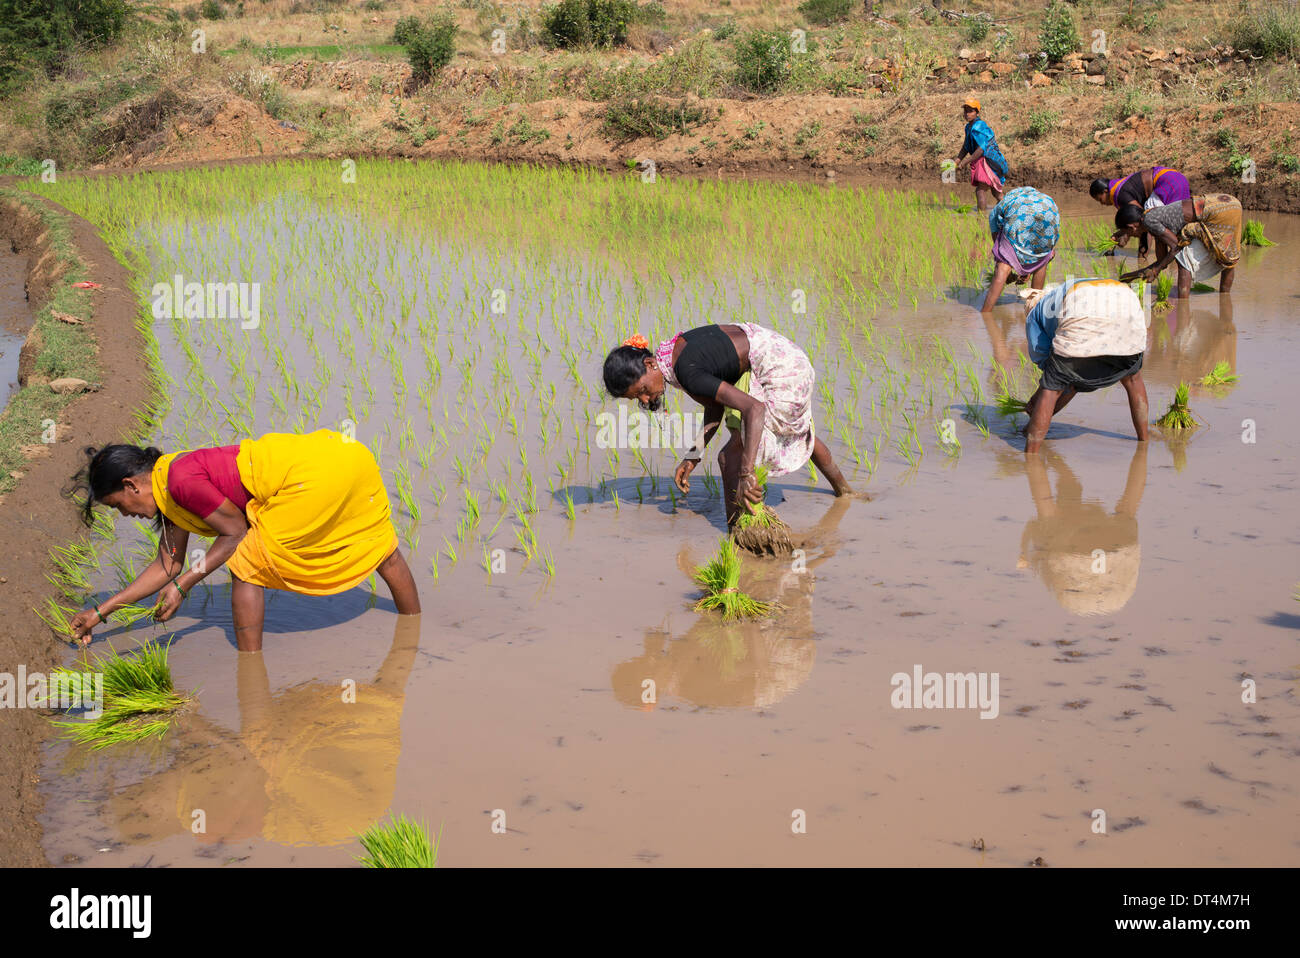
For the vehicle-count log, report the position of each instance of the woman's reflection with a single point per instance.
(1087, 557)
(313, 765)
(738, 665)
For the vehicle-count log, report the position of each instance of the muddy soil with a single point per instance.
(33, 516)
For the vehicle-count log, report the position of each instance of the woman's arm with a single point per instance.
(154, 577)
(752, 413)
(713, 414)
(230, 525)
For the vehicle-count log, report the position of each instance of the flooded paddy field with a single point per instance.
(454, 319)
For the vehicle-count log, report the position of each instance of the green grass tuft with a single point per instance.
(401, 843)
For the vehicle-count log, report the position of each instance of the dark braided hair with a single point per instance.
(624, 367)
(1127, 215)
(104, 471)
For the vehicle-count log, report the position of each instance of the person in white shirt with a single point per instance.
(1084, 335)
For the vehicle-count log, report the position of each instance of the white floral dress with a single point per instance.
(781, 378)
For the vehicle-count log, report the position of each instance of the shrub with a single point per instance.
(764, 60)
(1060, 34)
(824, 12)
(1041, 122)
(37, 35)
(212, 10)
(977, 27)
(405, 28)
(430, 45)
(1267, 29)
(632, 119)
(589, 23)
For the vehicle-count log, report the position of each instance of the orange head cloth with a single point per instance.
(638, 341)
(971, 102)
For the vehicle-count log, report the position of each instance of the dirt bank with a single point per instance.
(33, 516)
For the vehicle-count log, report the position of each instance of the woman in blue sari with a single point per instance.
(1025, 227)
(988, 167)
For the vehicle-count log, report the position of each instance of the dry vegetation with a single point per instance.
(873, 92)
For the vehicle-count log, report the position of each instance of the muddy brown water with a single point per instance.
(522, 699)
(15, 319)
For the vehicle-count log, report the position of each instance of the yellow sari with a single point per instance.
(318, 520)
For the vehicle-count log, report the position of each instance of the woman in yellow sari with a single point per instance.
(302, 513)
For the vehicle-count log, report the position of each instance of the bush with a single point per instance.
(1268, 29)
(632, 119)
(405, 28)
(824, 12)
(764, 60)
(977, 27)
(589, 23)
(212, 10)
(430, 45)
(1041, 122)
(1060, 34)
(37, 35)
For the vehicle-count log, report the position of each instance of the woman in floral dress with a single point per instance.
(765, 378)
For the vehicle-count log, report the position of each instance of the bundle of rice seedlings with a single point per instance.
(1220, 375)
(1101, 242)
(139, 699)
(132, 613)
(1008, 405)
(762, 531)
(1164, 286)
(1252, 234)
(1202, 288)
(402, 843)
(721, 580)
(1178, 417)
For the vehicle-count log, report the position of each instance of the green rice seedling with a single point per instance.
(1100, 241)
(401, 843)
(57, 617)
(1008, 405)
(1252, 234)
(1178, 417)
(761, 531)
(140, 701)
(1220, 375)
(1164, 286)
(1202, 288)
(720, 578)
(569, 512)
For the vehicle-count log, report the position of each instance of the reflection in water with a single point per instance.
(1185, 344)
(740, 665)
(307, 767)
(1061, 545)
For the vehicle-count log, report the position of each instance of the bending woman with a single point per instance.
(1202, 235)
(1145, 189)
(775, 428)
(1025, 226)
(304, 514)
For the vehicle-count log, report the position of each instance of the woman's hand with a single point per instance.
(82, 624)
(682, 477)
(168, 603)
(748, 493)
